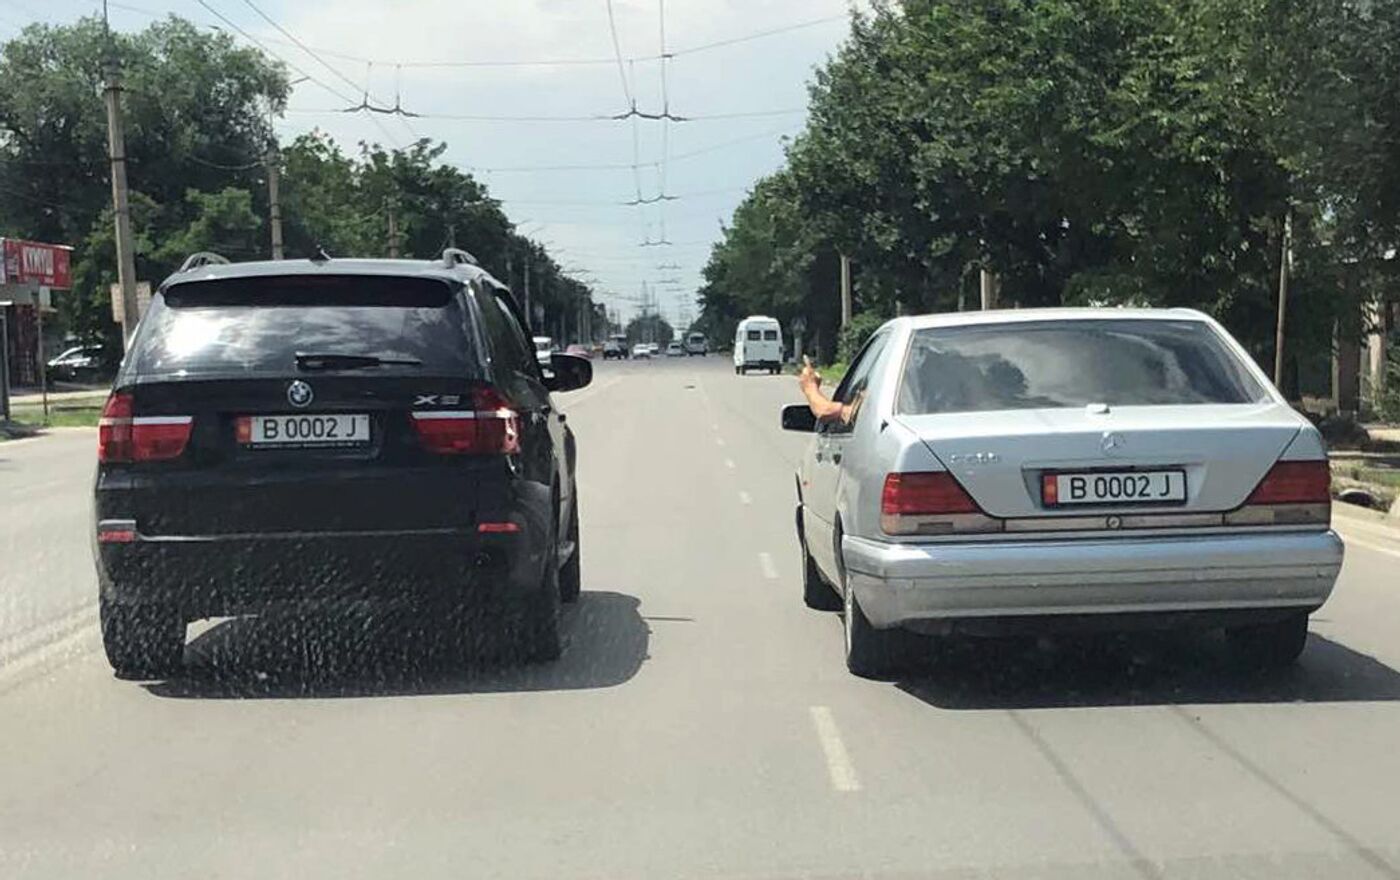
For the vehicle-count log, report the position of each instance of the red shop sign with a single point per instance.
(32, 262)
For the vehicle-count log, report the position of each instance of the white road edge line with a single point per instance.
(729, 463)
(838, 762)
(745, 498)
(770, 570)
(1375, 548)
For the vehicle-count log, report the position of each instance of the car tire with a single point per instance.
(870, 652)
(1269, 645)
(142, 641)
(571, 575)
(537, 629)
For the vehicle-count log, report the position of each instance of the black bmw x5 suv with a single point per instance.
(334, 431)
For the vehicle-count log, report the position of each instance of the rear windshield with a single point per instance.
(1071, 364)
(770, 335)
(755, 336)
(259, 325)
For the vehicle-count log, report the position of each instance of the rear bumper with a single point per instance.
(898, 584)
(217, 575)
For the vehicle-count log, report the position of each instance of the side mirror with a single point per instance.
(799, 417)
(568, 372)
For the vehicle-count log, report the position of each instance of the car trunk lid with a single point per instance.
(1000, 457)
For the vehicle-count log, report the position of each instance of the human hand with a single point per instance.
(809, 377)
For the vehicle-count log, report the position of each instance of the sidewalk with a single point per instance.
(30, 397)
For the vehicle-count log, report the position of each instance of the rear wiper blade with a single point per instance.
(333, 361)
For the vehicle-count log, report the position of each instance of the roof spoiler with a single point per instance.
(202, 258)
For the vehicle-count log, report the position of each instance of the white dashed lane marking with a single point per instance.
(770, 570)
(745, 498)
(838, 762)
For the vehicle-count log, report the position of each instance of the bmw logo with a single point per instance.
(299, 394)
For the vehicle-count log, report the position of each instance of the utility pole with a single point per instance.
(116, 154)
(1284, 259)
(989, 289)
(529, 317)
(845, 290)
(452, 235)
(393, 230)
(274, 199)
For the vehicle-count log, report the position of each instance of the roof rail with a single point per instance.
(202, 258)
(456, 256)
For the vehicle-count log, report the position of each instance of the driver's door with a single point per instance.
(822, 472)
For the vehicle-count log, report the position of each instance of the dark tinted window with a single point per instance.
(258, 325)
(754, 335)
(1071, 364)
(770, 335)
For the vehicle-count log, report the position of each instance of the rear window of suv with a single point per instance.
(258, 325)
(1058, 364)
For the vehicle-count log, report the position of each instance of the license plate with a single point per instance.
(1124, 487)
(330, 429)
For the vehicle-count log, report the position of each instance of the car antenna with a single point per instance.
(320, 256)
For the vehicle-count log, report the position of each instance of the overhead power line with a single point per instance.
(302, 46)
(617, 54)
(298, 70)
(259, 44)
(546, 62)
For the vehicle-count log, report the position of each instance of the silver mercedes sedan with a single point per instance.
(1041, 470)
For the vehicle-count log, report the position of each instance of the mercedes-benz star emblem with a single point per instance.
(1111, 442)
(299, 394)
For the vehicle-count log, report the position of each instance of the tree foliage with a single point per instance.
(198, 111)
(1087, 151)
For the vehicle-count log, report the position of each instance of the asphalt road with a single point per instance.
(700, 722)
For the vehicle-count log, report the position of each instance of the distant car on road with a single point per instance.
(674, 349)
(614, 350)
(1037, 470)
(697, 345)
(654, 348)
(582, 351)
(405, 454)
(544, 349)
(641, 350)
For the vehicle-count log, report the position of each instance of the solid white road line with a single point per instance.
(745, 498)
(1377, 548)
(770, 570)
(838, 763)
(729, 463)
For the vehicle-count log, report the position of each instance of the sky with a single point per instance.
(444, 59)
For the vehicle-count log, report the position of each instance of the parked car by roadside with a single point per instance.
(81, 363)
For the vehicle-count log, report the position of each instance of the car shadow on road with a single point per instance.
(1139, 669)
(302, 654)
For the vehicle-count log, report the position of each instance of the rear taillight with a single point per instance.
(491, 427)
(1291, 493)
(930, 504)
(124, 437)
